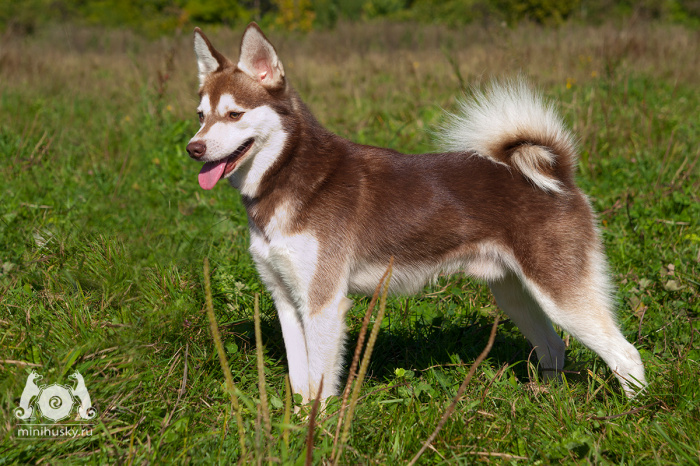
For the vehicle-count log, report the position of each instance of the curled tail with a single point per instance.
(511, 124)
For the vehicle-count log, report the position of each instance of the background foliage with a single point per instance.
(158, 17)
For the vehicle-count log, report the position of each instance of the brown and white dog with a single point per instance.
(326, 214)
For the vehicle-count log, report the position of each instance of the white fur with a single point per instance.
(325, 335)
(228, 104)
(595, 302)
(270, 138)
(290, 319)
(503, 112)
(515, 299)
(204, 105)
(224, 137)
(292, 257)
(206, 62)
(489, 262)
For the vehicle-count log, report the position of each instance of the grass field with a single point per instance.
(103, 233)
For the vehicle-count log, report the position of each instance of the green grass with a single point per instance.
(103, 233)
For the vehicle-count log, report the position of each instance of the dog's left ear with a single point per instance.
(258, 59)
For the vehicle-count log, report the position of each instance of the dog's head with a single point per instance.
(240, 111)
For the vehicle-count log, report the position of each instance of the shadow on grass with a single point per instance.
(420, 344)
(418, 347)
(440, 342)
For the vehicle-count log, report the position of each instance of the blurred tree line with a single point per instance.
(165, 16)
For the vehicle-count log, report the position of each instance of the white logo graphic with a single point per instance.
(55, 402)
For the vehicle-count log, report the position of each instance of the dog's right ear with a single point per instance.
(208, 58)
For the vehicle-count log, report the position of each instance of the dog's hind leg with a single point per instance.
(584, 309)
(587, 314)
(515, 300)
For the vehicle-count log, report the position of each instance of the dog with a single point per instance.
(326, 214)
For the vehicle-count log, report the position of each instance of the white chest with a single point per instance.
(284, 259)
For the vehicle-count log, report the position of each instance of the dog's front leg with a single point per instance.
(290, 319)
(294, 343)
(324, 329)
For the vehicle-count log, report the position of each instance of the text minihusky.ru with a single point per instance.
(34, 431)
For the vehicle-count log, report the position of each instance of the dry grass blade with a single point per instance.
(494, 454)
(312, 426)
(450, 409)
(356, 359)
(287, 415)
(180, 392)
(230, 386)
(261, 369)
(365, 363)
(626, 413)
(19, 363)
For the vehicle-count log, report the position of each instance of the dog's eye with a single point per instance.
(201, 116)
(235, 115)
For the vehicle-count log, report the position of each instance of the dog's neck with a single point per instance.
(311, 155)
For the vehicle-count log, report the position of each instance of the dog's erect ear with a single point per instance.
(208, 58)
(258, 59)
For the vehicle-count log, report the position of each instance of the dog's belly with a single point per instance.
(407, 279)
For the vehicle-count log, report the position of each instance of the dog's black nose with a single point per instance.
(196, 149)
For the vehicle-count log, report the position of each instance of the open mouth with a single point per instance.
(212, 172)
(237, 155)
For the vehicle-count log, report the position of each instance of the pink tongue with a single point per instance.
(211, 173)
